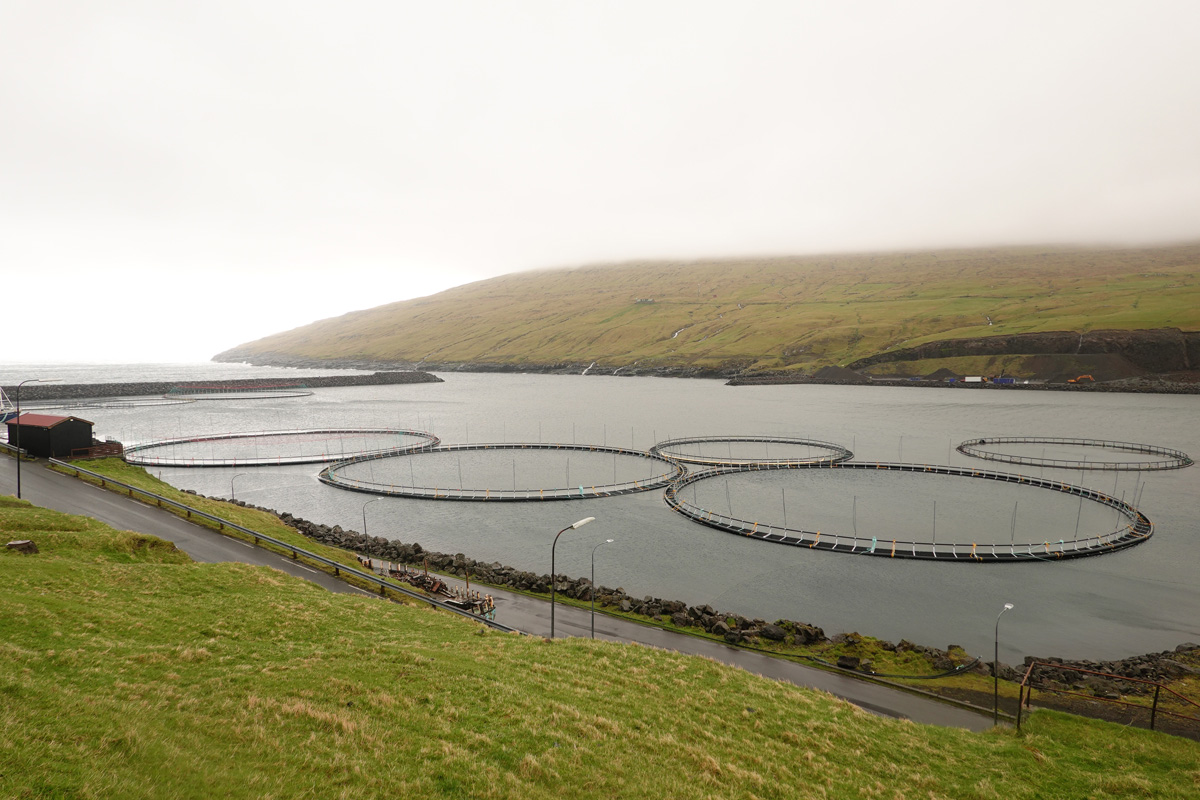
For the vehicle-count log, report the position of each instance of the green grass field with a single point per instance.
(128, 671)
(778, 314)
(974, 686)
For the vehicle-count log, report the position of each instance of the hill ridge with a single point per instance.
(779, 313)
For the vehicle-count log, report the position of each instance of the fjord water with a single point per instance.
(1143, 599)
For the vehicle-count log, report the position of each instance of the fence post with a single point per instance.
(1154, 708)
(1020, 699)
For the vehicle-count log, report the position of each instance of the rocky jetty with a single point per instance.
(88, 391)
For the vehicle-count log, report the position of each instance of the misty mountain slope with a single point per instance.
(778, 313)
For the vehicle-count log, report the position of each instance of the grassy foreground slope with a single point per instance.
(128, 671)
(780, 313)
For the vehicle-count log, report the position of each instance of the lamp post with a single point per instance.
(364, 510)
(593, 589)
(233, 496)
(996, 669)
(17, 394)
(570, 527)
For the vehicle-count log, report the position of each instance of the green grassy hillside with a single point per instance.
(128, 671)
(782, 313)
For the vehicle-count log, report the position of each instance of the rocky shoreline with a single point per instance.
(557, 368)
(1145, 385)
(89, 391)
(733, 374)
(735, 628)
(1154, 350)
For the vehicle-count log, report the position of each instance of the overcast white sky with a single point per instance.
(180, 177)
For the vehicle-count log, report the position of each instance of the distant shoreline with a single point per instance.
(1127, 386)
(733, 376)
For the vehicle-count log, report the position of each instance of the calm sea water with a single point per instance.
(1143, 599)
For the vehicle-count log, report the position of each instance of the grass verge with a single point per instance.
(903, 665)
(128, 671)
(252, 518)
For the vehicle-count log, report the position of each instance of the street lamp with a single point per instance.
(372, 500)
(996, 669)
(593, 591)
(17, 394)
(570, 527)
(233, 496)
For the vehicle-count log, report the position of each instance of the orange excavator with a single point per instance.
(1082, 379)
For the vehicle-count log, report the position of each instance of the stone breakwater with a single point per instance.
(733, 628)
(88, 391)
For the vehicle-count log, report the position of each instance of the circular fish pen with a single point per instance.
(118, 402)
(357, 474)
(1137, 527)
(789, 452)
(1168, 458)
(277, 448)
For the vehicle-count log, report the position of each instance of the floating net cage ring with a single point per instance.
(836, 453)
(251, 391)
(1137, 530)
(333, 475)
(141, 454)
(247, 394)
(103, 402)
(1174, 459)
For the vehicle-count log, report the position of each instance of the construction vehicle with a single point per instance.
(1082, 379)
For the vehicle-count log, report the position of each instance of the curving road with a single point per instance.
(50, 489)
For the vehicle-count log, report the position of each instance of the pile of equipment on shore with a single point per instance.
(462, 597)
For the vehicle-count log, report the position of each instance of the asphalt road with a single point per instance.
(54, 490)
(49, 489)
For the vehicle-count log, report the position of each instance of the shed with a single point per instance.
(49, 436)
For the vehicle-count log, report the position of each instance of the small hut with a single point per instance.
(49, 436)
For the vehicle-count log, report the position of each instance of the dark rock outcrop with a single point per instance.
(1165, 666)
(1156, 350)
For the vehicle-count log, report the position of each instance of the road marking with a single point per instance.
(310, 569)
(243, 544)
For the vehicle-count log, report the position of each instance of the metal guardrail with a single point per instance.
(1025, 695)
(296, 552)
